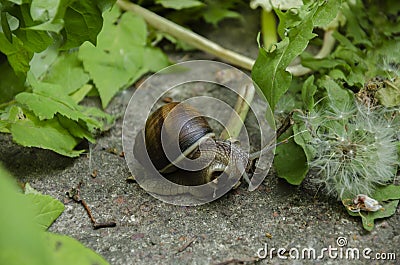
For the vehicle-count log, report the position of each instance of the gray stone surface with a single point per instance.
(149, 231)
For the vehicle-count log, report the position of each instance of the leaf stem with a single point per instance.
(187, 36)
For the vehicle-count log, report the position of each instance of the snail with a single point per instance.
(183, 148)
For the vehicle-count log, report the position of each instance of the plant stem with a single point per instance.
(268, 28)
(235, 122)
(208, 46)
(187, 36)
(6, 104)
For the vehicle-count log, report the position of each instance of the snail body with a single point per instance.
(182, 147)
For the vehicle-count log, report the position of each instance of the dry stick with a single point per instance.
(187, 244)
(74, 194)
(201, 43)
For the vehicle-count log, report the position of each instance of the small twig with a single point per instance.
(74, 194)
(187, 244)
(89, 212)
(234, 261)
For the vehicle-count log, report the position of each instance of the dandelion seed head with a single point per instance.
(354, 155)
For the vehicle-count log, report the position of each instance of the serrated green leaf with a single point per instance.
(117, 61)
(46, 106)
(68, 71)
(67, 251)
(48, 134)
(45, 208)
(290, 161)
(76, 129)
(269, 70)
(179, 4)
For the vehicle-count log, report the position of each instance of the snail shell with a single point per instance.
(180, 124)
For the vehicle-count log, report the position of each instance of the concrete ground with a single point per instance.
(228, 230)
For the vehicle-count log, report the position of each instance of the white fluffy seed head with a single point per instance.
(355, 154)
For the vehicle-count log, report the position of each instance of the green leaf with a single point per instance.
(269, 70)
(81, 93)
(18, 57)
(215, 15)
(218, 10)
(117, 61)
(10, 83)
(68, 71)
(5, 27)
(388, 196)
(290, 161)
(48, 134)
(67, 251)
(339, 97)
(76, 128)
(389, 96)
(179, 4)
(33, 40)
(46, 209)
(83, 21)
(21, 241)
(385, 193)
(154, 59)
(368, 218)
(44, 10)
(42, 61)
(307, 93)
